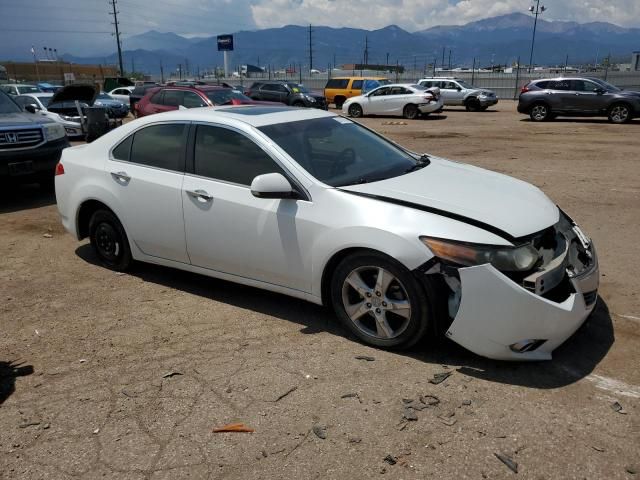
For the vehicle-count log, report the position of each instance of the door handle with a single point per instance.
(121, 176)
(201, 194)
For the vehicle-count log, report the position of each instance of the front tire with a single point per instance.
(540, 112)
(355, 110)
(298, 104)
(109, 241)
(410, 112)
(472, 105)
(380, 301)
(619, 113)
(339, 101)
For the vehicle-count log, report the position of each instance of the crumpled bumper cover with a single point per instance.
(496, 313)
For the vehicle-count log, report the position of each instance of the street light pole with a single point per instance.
(537, 10)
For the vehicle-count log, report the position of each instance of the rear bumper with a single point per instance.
(496, 315)
(42, 160)
(430, 107)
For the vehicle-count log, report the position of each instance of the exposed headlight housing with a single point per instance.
(311, 99)
(54, 131)
(506, 259)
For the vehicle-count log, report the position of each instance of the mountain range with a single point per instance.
(496, 40)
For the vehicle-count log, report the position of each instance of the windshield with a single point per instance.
(340, 152)
(297, 88)
(464, 84)
(225, 96)
(28, 89)
(608, 86)
(7, 105)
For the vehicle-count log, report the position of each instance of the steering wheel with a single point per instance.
(347, 157)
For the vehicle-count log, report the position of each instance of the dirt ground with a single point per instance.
(124, 376)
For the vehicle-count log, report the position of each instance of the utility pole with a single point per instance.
(161, 72)
(566, 63)
(180, 71)
(334, 60)
(117, 34)
(366, 50)
(133, 66)
(186, 67)
(387, 59)
(310, 51)
(449, 59)
(443, 49)
(537, 10)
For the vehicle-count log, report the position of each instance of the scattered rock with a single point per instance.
(46, 426)
(508, 461)
(440, 377)
(96, 431)
(83, 360)
(47, 235)
(320, 431)
(365, 358)
(30, 424)
(430, 400)
(466, 402)
(391, 460)
(450, 422)
(632, 469)
(410, 415)
(355, 439)
(171, 374)
(416, 405)
(618, 408)
(407, 400)
(349, 395)
(264, 453)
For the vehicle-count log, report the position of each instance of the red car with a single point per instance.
(164, 99)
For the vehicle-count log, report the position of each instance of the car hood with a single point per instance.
(628, 93)
(483, 91)
(71, 93)
(19, 119)
(513, 206)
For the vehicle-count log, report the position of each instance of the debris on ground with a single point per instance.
(466, 402)
(417, 405)
(440, 377)
(618, 408)
(430, 400)
(234, 427)
(83, 360)
(352, 395)
(291, 390)
(320, 431)
(47, 235)
(508, 461)
(449, 422)
(365, 358)
(96, 431)
(171, 374)
(597, 449)
(410, 414)
(632, 469)
(30, 424)
(391, 460)
(394, 123)
(355, 439)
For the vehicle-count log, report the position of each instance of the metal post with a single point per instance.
(435, 60)
(515, 93)
(115, 23)
(473, 70)
(300, 73)
(397, 70)
(566, 62)
(226, 63)
(606, 69)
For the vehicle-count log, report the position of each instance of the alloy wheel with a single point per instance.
(539, 112)
(619, 114)
(376, 302)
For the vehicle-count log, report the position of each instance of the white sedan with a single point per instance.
(313, 205)
(38, 102)
(121, 94)
(404, 100)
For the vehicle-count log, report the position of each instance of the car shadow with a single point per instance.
(14, 198)
(9, 371)
(595, 121)
(574, 360)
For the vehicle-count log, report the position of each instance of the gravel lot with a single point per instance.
(124, 376)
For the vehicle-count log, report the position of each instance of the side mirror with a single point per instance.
(272, 185)
(599, 91)
(31, 108)
(459, 89)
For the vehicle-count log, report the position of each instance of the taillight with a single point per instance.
(59, 169)
(524, 89)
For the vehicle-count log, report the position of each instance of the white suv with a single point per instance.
(458, 92)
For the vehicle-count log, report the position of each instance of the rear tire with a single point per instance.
(540, 112)
(339, 101)
(391, 311)
(355, 110)
(109, 241)
(410, 112)
(619, 113)
(298, 104)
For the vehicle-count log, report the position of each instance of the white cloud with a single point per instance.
(419, 14)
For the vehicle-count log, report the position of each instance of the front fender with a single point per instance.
(409, 253)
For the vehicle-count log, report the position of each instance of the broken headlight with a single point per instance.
(505, 259)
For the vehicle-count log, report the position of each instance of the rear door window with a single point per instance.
(339, 83)
(563, 85)
(173, 98)
(159, 146)
(193, 100)
(157, 97)
(356, 85)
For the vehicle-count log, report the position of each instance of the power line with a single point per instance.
(115, 23)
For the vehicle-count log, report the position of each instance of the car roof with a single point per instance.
(37, 94)
(196, 88)
(253, 115)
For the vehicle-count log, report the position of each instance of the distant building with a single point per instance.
(58, 72)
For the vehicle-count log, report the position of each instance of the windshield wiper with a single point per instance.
(422, 162)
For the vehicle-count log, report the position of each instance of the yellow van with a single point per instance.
(338, 89)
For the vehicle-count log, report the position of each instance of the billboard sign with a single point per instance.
(225, 43)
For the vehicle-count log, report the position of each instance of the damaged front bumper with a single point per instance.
(500, 319)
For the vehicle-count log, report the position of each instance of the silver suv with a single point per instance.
(458, 92)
